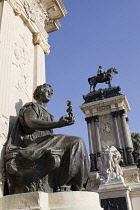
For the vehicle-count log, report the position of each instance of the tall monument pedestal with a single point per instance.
(51, 201)
(107, 121)
(108, 132)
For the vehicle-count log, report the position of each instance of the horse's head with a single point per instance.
(112, 70)
(115, 71)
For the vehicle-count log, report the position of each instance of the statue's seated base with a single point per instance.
(51, 201)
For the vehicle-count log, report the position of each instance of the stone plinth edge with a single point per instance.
(106, 106)
(50, 201)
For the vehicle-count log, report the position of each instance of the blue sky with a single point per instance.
(94, 33)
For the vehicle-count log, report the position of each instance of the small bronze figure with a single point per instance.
(70, 109)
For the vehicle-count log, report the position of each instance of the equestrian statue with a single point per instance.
(102, 77)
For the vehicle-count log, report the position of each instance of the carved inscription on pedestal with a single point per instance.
(103, 108)
(107, 130)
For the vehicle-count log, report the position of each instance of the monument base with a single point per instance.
(51, 201)
(115, 196)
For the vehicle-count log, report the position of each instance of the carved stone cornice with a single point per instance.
(39, 15)
(61, 6)
(106, 106)
(38, 39)
(55, 8)
(52, 25)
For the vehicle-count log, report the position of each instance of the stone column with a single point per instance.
(6, 46)
(118, 137)
(91, 146)
(39, 66)
(1, 9)
(127, 138)
(97, 133)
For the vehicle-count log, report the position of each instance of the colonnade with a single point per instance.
(122, 138)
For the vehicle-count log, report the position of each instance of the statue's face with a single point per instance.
(45, 94)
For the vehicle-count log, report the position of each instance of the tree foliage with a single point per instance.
(135, 139)
(135, 136)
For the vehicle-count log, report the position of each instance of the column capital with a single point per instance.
(88, 119)
(122, 112)
(95, 118)
(115, 114)
(38, 39)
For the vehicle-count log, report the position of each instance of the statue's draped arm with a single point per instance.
(35, 123)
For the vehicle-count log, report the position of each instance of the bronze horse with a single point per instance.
(102, 77)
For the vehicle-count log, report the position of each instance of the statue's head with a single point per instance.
(43, 93)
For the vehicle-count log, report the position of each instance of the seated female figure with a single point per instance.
(37, 159)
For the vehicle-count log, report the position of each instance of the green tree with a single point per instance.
(136, 144)
(135, 139)
(135, 136)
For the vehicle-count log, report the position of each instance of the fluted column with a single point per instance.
(1, 10)
(91, 145)
(118, 137)
(97, 133)
(127, 138)
(6, 47)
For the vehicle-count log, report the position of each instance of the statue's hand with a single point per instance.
(66, 120)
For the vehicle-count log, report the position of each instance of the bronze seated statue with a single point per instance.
(37, 159)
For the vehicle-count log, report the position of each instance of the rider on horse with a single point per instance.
(102, 77)
(100, 72)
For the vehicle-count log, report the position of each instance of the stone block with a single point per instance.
(51, 201)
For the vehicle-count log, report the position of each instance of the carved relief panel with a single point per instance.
(107, 130)
(22, 59)
(35, 11)
(3, 129)
(22, 68)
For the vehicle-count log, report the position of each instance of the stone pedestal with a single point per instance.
(115, 197)
(24, 28)
(132, 180)
(135, 196)
(105, 112)
(51, 201)
(106, 115)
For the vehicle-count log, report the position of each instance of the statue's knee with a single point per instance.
(78, 140)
